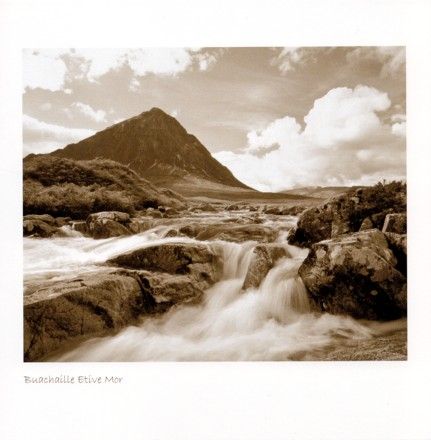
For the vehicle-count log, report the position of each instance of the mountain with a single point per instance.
(158, 148)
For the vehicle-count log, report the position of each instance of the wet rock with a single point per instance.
(62, 221)
(58, 313)
(275, 210)
(167, 290)
(140, 224)
(171, 212)
(80, 227)
(197, 260)
(396, 223)
(38, 228)
(356, 274)
(366, 224)
(238, 233)
(314, 225)
(108, 224)
(264, 258)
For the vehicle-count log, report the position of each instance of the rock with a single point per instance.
(314, 225)
(62, 221)
(58, 313)
(171, 212)
(117, 216)
(171, 233)
(396, 223)
(237, 233)
(46, 218)
(169, 290)
(345, 213)
(208, 208)
(108, 224)
(275, 210)
(140, 224)
(263, 260)
(80, 227)
(366, 224)
(355, 274)
(197, 260)
(39, 228)
(398, 244)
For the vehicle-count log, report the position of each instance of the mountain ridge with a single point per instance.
(157, 147)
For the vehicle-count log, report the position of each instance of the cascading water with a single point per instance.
(272, 322)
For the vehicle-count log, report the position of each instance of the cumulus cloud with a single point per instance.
(87, 111)
(41, 137)
(392, 58)
(343, 142)
(289, 58)
(49, 69)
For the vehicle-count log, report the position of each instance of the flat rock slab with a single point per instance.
(86, 306)
(195, 259)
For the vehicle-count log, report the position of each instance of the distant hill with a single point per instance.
(65, 187)
(157, 147)
(320, 192)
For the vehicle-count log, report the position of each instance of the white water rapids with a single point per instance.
(273, 322)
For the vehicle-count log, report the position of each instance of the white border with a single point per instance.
(380, 400)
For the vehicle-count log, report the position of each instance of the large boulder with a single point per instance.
(57, 313)
(167, 290)
(356, 274)
(314, 224)
(348, 213)
(263, 260)
(195, 259)
(396, 223)
(108, 224)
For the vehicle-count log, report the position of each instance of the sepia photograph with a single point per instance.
(214, 204)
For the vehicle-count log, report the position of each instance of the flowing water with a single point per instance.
(272, 322)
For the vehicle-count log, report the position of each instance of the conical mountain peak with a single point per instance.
(156, 146)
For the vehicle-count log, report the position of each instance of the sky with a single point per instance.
(278, 118)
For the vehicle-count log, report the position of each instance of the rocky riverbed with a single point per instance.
(213, 282)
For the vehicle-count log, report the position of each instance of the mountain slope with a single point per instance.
(65, 187)
(157, 147)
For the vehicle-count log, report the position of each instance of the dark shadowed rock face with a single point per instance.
(263, 260)
(396, 223)
(356, 274)
(194, 259)
(57, 313)
(314, 224)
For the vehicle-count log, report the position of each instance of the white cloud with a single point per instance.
(343, 143)
(41, 137)
(344, 115)
(399, 129)
(88, 111)
(44, 69)
(289, 58)
(49, 69)
(392, 58)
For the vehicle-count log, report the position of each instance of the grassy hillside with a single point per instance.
(65, 187)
